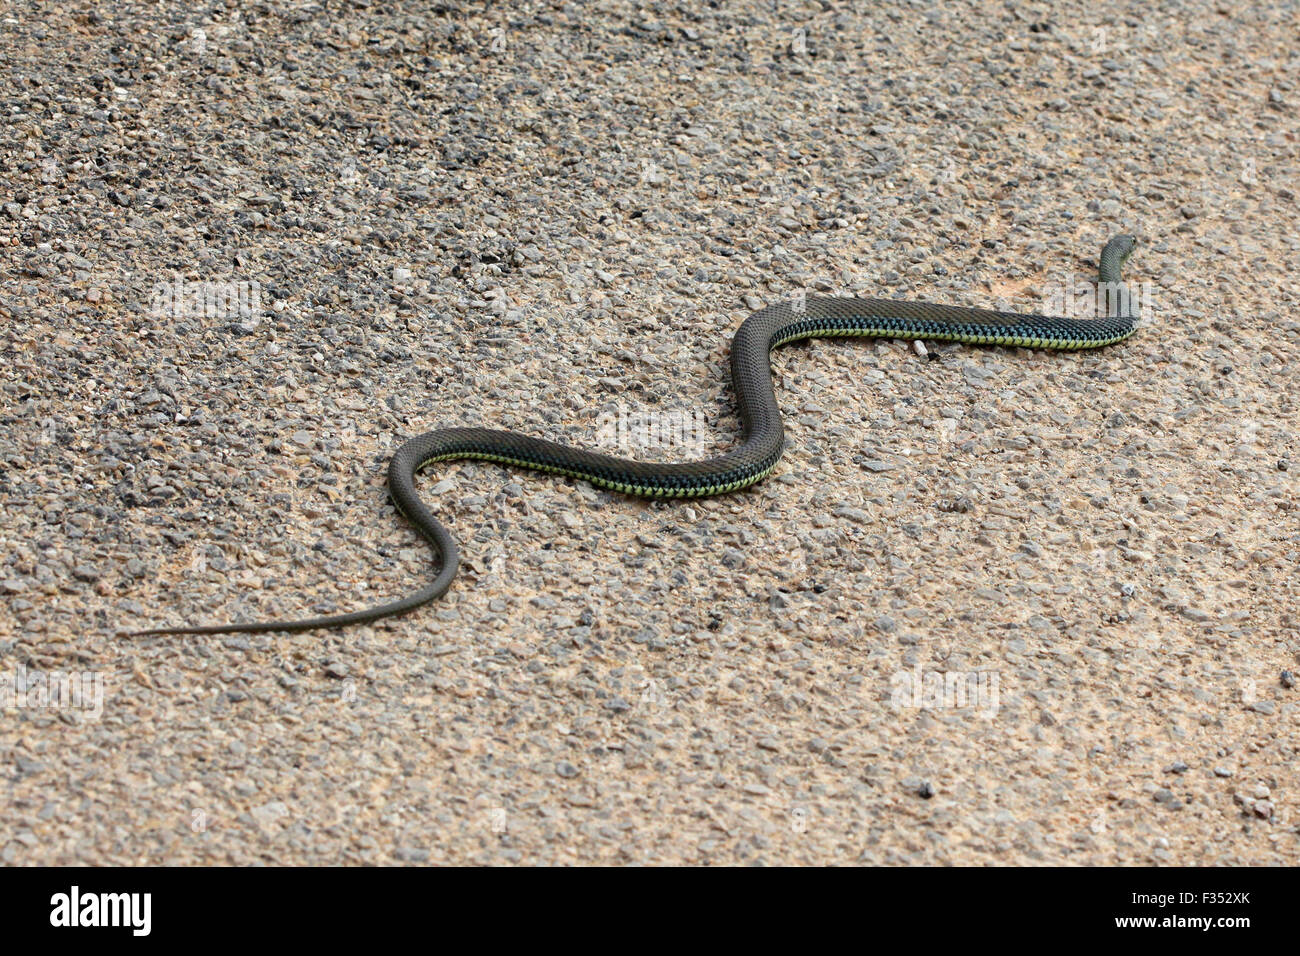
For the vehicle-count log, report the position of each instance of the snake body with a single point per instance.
(751, 373)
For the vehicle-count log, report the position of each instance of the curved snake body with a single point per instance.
(751, 373)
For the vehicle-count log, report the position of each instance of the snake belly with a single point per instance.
(751, 375)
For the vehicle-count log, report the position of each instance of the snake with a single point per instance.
(763, 437)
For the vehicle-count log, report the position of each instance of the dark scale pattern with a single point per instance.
(751, 375)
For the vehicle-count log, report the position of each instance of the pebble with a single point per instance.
(1167, 798)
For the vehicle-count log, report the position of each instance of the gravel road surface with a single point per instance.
(996, 606)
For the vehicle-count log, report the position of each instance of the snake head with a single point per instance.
(1113, 257)
(1121, 247)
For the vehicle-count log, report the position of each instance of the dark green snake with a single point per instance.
(751, 374)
